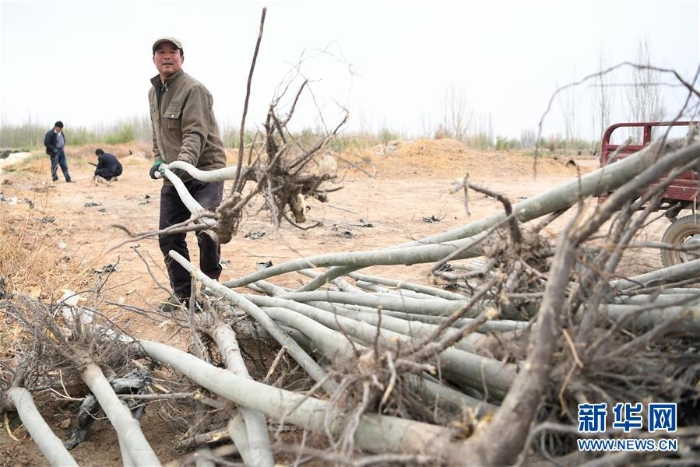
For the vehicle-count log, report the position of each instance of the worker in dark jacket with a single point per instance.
(184, 129)
(108, 166)
(55, 141)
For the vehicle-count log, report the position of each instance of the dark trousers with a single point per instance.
(173, 211)
(108, 173)
(59, 159)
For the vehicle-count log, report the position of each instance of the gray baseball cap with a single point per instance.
(172, 40)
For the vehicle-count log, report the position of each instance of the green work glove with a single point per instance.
(154, 170)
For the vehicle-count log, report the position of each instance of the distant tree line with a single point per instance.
(31, 136)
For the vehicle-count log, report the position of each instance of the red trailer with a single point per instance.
(682, 193)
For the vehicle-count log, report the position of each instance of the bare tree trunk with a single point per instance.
(567, 104)
(457, 118)
(50, 445)
(127, 427)
(254, 442)
(604, 99)
(644, 97)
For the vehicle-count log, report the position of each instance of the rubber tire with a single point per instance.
(678, 233)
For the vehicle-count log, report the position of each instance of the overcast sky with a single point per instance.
(390, 63)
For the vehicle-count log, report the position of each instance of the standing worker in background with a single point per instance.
(108, 167)
(184, 129)
(55, 141)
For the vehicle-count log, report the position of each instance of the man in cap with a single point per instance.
(184, 129)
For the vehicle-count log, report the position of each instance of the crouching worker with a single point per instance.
(108, 167)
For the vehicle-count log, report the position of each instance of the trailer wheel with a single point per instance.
(682, 231)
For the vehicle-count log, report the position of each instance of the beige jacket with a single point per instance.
(183, 122)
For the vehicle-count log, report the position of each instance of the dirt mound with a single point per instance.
(13, 159)
(448, 157)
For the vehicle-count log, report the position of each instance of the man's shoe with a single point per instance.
(207, 291)
(173, 305)
(198, 305)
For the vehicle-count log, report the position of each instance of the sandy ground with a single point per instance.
(387, 203)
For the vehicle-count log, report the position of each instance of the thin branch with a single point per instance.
(238, 184)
